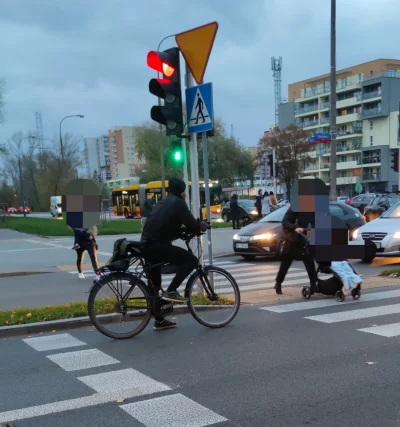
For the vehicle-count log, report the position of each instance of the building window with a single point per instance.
(344, 82)
(294, 94)
(371, 125)
(371, 139)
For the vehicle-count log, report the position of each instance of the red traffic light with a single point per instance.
(160, 62)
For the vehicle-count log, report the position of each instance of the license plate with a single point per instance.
(242, 245)
(378, 244)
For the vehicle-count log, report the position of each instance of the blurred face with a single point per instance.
(184, 194)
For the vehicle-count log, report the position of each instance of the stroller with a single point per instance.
(332, 286)
(244, 218)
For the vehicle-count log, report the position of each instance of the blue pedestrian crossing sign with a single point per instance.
(199, 108)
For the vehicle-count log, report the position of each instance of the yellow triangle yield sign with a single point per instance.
(196, 45)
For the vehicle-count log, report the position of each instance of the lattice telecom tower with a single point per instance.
(276, 66)
(39, 131)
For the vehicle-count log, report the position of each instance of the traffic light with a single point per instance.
(168, 88)
(395, 160)
(270, 166)
(177, 154)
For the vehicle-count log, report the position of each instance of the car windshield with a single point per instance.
(247, 203)
(275, 216)
(393, 212)
(367, 199)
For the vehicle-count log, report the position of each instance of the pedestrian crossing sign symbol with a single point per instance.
(199, 108)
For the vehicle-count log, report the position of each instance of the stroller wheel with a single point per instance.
(356, 293)
(306, 293)
(340, 296)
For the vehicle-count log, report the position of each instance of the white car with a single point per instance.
(384, 232)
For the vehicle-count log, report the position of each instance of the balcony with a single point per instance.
(372, 111)
(306, 109)
(325, 105)
(343, 180)
(371, 159)
(347, 118)
(325, 120)
(311, 168)
(373, 94)
(375, 176)
(348, 164)
(355, 131)
(305, 124)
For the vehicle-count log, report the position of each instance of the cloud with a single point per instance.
(89, 57)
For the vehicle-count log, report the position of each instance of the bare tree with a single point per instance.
(292, 150)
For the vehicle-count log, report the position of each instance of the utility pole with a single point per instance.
(333, 102)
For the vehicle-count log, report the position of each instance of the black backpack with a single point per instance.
(119, 250)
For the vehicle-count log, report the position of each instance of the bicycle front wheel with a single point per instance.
(119, 305)
(213, 297)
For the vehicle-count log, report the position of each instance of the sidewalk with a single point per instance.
(294, 292)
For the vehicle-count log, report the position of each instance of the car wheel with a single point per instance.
(225, 218)
(249, 257)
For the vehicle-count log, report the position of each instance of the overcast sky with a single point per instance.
(88, 57)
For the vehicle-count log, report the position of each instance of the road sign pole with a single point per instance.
(204, 143)
(185, 170)
(274, 170)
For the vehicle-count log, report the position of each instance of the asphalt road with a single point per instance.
(302, 366)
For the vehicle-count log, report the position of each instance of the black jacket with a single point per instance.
(85, 239)
(147, 208)
(166, 219)
(293, 220)
(235, 212)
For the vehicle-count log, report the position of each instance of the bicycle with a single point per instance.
(204, 301)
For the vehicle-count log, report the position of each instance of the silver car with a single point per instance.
(384, 232)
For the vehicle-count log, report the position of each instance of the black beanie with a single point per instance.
(176, 186)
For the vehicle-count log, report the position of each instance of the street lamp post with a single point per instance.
(333, 102)
(20, 173)
(61, 143)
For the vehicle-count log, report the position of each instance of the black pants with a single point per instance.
(293, 252)
(235, 221)
(93, 257)
(157, 252)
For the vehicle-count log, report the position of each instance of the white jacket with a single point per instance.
(266, 205)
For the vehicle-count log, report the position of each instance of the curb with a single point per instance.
(58, 325)
(24, 273)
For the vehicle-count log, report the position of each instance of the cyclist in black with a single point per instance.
(161, 228)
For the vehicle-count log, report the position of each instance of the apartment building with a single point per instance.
(97, 157)
(368, 119)
(123, 160)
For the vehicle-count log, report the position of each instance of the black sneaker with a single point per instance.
(165, 324)
(173, 296)
(75, 247)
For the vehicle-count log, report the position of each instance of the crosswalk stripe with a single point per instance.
(363, 313)
(310, 305)
(388, 331)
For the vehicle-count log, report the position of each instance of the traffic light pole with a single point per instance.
(185, 169)
(274, 170)
(333, 102)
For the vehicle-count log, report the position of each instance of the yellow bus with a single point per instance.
(128, 201)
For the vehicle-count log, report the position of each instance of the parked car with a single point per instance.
(265, 237)
(384, 232)
(246, 204)
(21, 210)
(379, 204)
(342, 199)
(12, 210)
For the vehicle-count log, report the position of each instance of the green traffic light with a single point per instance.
(178, 155)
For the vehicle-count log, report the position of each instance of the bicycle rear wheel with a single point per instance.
(119, 305)
(213, 297)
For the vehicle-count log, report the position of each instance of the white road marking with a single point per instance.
(363, 313)
(388, 331)
(311, 305)
(83, 359)
(53, 342)
(125, 379)
(172, 411)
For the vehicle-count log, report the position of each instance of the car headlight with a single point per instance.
(266, 236)
(396, 235)
(355, 234)
(254, 212)
(236, 237)
(218, 210)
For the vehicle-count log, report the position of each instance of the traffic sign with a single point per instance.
(196, 45)
(358, 188)
(199, 107)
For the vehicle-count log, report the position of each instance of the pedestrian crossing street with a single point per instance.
(249, 276)
(114, 385)
(350, 310)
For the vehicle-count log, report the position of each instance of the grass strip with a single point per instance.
(58, 227)
(23, 316)
(389, 272)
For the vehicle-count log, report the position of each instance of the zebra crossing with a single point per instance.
(249, 276)
(113, 384)
(354, 311)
